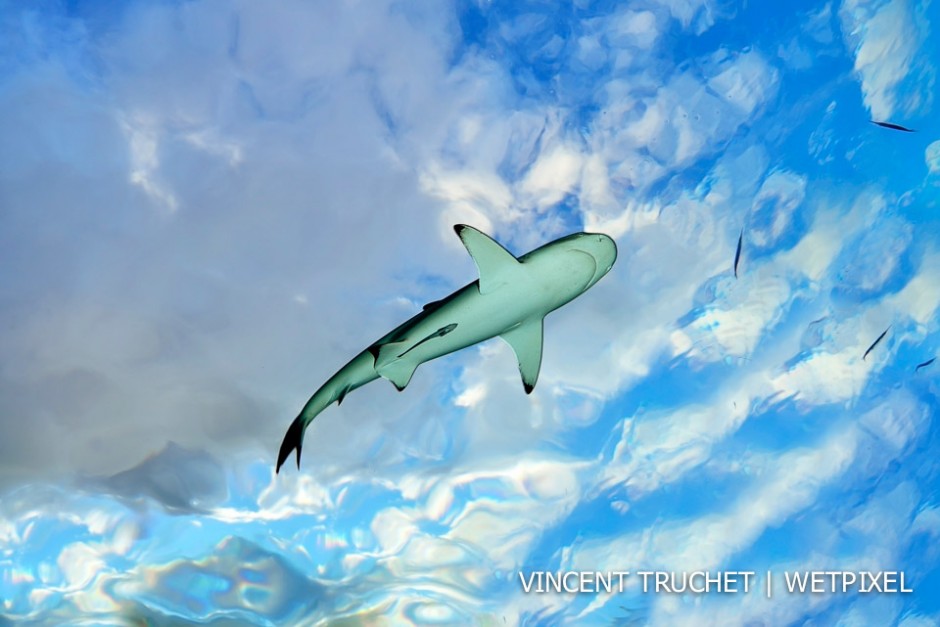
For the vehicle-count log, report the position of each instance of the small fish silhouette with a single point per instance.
(875, 343)
(894, 127)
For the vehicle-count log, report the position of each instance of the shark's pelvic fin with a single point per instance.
(526, 342)
(399, 372)
(389, 362)
(387, 353)
(495, 264)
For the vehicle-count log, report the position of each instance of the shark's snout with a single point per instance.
(604, 251)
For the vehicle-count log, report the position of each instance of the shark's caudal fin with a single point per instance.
(293, 439)
(355, 374)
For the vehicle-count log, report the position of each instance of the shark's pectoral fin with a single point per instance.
(526, 342)
(399, 372)
(495, 264)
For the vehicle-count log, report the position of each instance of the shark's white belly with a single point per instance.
(477, 318)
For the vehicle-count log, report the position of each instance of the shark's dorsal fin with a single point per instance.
(526, 342)
(494, 262)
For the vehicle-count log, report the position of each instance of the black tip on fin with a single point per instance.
(458, 228)
(400, 388)
(293, 439)
(528, 387)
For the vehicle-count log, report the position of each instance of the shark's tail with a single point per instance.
(356, 373)
(293, 439)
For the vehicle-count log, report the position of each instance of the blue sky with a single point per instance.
(208, 207)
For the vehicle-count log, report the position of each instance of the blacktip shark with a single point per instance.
(510, 300)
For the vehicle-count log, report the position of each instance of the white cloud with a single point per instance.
(746, 81)
(780, 486)
(826, 377)
(637, 28)
(552, 176)
(920, 298)
(932, 157)
(474, 195)
(642, 138)
(659, 449)
(698, 14)
(739, 327)
(776, 202)
(886, 40)
(229, 156)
